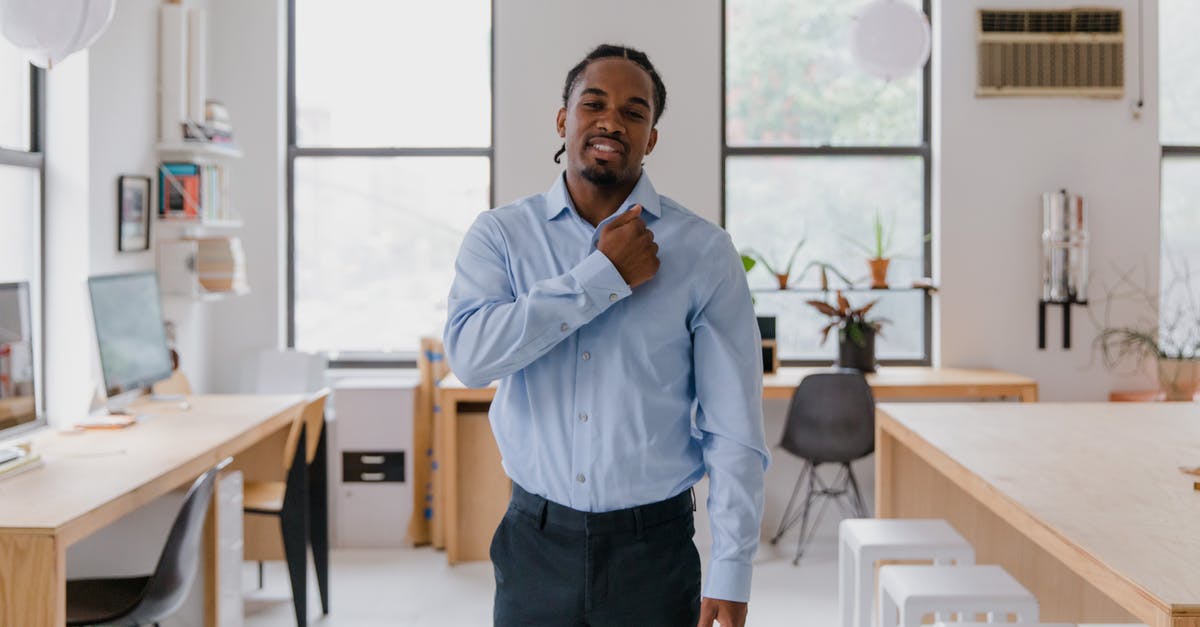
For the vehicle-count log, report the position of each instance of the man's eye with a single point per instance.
(637, 115)
(592, 105)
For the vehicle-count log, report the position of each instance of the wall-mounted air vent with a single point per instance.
(1072, 52)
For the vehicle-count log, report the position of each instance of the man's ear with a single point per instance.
(561, 122)
(653, 140)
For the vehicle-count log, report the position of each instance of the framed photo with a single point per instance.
(133, 213)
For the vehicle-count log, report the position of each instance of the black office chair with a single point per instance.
(147, 600)
(831, 420)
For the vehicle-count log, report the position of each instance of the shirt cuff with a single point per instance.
(600, 280)
(728, 580)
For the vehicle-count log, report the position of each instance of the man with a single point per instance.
(610, 313)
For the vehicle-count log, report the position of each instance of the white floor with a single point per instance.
(415, 588)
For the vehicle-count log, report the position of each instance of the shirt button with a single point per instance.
(564, 327)
(586, 355)
(580, 478)
(583, 417)
(612, 298)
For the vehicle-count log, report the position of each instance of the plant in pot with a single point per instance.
(856, 332)
(1178, 366)
(782, 273)
(1171, 338)
(879, 251)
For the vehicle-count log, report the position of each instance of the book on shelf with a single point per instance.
(194, 192)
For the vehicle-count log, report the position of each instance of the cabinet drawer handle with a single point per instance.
(371, 459)
(372, 476)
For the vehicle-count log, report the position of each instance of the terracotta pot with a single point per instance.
(879, 268)
(1179, 378)
(783, 281)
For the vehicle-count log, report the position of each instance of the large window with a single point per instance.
(1179, 50)
(21, 182)
(390, 149)
(816, 149)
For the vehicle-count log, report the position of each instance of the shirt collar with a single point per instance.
(559, 201)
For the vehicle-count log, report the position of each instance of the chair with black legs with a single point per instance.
(831, 420)
(299, 502)
(147, 600)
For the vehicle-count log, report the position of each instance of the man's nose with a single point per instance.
(610, 122)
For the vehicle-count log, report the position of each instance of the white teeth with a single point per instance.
(604, 148)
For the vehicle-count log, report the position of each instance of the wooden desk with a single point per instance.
(470, 516)
(1083, 503)
(916, 382)
(91, 479)
(1141, 396)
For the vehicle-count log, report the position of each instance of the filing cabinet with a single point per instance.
(371, 467)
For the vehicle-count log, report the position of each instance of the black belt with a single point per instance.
(633, 519)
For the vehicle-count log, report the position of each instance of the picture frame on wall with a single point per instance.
(133, 213)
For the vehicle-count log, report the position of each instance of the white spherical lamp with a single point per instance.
(48, 31)
(890, 39)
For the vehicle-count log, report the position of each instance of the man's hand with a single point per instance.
(630, 246)
(727, 613)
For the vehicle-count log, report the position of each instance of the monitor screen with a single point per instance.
(129, 330)
(18, 404)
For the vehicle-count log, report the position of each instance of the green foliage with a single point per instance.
(751, 258)
(851, 322)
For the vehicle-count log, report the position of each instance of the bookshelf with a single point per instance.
(197, 151)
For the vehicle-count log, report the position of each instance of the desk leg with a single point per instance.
(448, 469)
(1029, 394)
(318, 518)
(33, 582)
(885, 446)
(212, 564)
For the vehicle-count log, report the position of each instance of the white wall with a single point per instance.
(537, 42)
(247, 71)
(994, 158)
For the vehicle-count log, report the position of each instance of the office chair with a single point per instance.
(300, 504)
(831, 420)
(147, 600)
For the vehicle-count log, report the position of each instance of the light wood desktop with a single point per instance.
(1083, 503)
(472, 493)
(91, 479)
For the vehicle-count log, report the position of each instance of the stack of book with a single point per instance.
(191, 191)
(14, 461)
(221, 264)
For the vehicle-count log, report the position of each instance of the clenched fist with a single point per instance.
(630, 246)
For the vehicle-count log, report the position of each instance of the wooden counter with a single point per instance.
(1083, 503)
(91, 479)
(472, 492)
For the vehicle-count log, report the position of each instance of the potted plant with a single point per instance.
(1178, 365)
(878, 251)
(856, 332)
(1166, 329)
(751, 258)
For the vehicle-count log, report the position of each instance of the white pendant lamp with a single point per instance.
(890, 39)
(48, 31)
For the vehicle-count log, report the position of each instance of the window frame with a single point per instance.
(922, 150)
(35, 158)
(359, 359)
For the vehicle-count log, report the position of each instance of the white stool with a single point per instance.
(919, 590)
(864, 541)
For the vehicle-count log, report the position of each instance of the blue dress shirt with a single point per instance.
(610, 397)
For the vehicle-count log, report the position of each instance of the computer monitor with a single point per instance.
(129, 330)
(18, 374)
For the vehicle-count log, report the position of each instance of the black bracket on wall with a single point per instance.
(1066, 307)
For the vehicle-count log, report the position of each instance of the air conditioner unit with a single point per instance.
(1070, 52)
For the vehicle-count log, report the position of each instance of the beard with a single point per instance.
(599, 176)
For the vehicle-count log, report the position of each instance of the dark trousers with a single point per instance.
(559, 566)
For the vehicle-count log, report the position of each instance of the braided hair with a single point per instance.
(604, 51)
